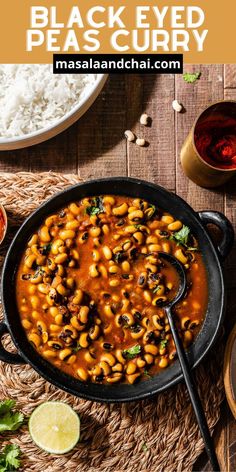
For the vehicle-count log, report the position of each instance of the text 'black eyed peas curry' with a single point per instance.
(91, 289)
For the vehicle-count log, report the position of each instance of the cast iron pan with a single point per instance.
(212, 257)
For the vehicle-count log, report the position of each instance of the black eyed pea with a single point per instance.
(188, 336)
(95, 255)
(75, 323)
(108, 311)
(70, 282)
(117, 367)
(151, 240)
(74, 209)
(33, 240)
(83, 340)
(95, 232)
(44, 234)
(125, 265)
(59, 319)
(133, 377)
(147, 296)
(78, 297)
(93, 271)
(138, 334)
(184, 323)
(64, 354)
(103, 271)
(62, 290)
(119, 356)
(56, 245)
(175, 226)
(128, 319)
(151, 267)
(94, 332)
(71, 331)
(67, 234)
(83, 314)
(72, 224)
(138, 237)
(105, 367)
(154, 247)
(136, 215)
(109, 358)
(141, 363)
(49, 354)
(35, 339)
(159, 301)
(37, 278)
(26, 324)
(50, 220)
(163, 363)
(34, 301)
(151, 349)
(82, 374)
(71, 359)
(114, 283)
(113, 378)
(149, 358)
(131, 368)
(96, 370)
(157, 322)
(167, 219)
(43, 288)
(29, 261)
(107, 252)
(179, 254)
(114, 269)
(105, 229)
(88, 357)
(57, 345)
(61, 258)
(121, 210)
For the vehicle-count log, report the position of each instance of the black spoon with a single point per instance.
(188, 377)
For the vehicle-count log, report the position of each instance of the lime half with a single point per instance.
(54, 427)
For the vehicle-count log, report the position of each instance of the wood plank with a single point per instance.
(195, 97)
(101, 145)
(14, 161)
(152, 94)
(230, 76)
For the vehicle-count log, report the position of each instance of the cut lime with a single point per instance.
(54, 427)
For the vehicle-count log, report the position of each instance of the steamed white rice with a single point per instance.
(32, 97)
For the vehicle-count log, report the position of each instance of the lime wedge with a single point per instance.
(54, 427)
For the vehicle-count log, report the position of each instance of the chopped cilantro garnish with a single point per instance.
(147, 373)
(156, 289)
(190, 78)
(132, 352)
(96, 207)
(182, 237)
(163, 343)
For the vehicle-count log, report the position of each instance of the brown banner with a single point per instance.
(203, 30)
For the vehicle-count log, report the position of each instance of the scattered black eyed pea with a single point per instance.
(151, 240)
(32, 289)
(94, 332)
(93, 271)
(184, 323)
(119, 356)
(96, 370)
(154, 247)
(34, 301)
(126, 245)
(72, 224)
(59, 319)
(36, 279)
(107, 252)
(115, 377)
(105, 229)
(82, 374)
(74, 209)
(163, 363)
(74, 253)
(179, 254)
(67, 234)
(117, 367)
(125, 265)
(83, 340)
(151, 267)
(54, 328)
(138, 237)
(162, 351)
(141, 363)
(175, 226)
(95, 255)
(40, 260)
(71, 359)
(35, 339)
(145, 322)
(132, 378)
(147, 296)
(108, 311)
(114, 283)
(43, 288)
(75, 323)
(109, 358)
(26, 324)
(50, 220)
(61, 258)
(105, 367)
(95, 232)
(159, 301)
(62, 290)
(78, 297)
(188, 337)
(56, 245)
(33, 240)
(103, 271)
(167, 219)
(149, 358)
(44, 234)
(30, 260)
(128, 319)
(88, 357)
(151, 349)
(70, 282)
(114, 269)
(121, 210)
(137, 334)
(83, 314)
(49, 354)
(193, 324)
(136, 215)
(118, 321)
(131, 368)
(144, 250)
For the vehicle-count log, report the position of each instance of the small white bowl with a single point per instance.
(63, 123)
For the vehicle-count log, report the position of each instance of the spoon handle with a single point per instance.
(193, 393)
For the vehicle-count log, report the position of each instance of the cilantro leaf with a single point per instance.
(163, 343)
(9, 458)
(132, 352)
(9, 420)
(190, 78)
(96, 207)
(182, 235)
(147, 373)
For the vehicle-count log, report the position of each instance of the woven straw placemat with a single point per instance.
(159, 435)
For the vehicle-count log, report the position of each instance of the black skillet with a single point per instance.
(213, 257)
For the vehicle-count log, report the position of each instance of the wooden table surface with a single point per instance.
(94, 147)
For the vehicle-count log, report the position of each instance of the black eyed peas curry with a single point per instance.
(91, 289)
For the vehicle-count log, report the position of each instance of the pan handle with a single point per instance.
(220, 220)
(6, 356)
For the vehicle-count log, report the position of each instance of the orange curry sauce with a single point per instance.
(90, 289)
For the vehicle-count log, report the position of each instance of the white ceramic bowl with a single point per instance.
(63, 123)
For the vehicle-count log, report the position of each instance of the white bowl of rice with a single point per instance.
(36, 104)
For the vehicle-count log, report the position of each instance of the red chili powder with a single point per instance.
(215, 141)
